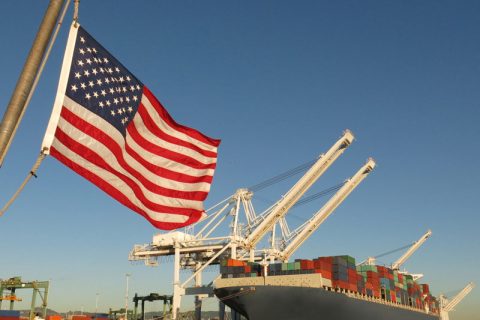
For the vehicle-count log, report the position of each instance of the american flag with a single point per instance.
(108, 127)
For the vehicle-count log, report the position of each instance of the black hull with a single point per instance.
(300, 303)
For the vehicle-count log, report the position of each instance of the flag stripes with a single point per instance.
(135, 167)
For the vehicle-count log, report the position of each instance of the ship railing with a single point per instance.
(356, 295)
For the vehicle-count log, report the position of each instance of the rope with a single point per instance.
(32, 173)
(75, 12)
(37, 78)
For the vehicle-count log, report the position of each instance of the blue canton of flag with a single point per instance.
(102, 84)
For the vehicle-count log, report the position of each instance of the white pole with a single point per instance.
(126, 297)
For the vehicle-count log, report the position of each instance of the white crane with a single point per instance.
(302, 233)
(400, 261)
(296, 192)
(196, 250)
(447, 305)
(417, 244)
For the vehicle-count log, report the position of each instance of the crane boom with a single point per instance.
(294, 194)
(322, 214)
(396, 265)
(447, 305)
(459, 297)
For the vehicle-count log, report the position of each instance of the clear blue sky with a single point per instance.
(277, 81)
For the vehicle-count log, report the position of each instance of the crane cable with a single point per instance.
(43, 152)
(282, 176)
(394, 250)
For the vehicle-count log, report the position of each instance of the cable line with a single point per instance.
(285, 175)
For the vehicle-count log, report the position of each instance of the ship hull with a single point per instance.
(300, 303)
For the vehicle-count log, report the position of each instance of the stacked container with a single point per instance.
(340, 272)
(231, 268)
(9, 315)
(371, 279)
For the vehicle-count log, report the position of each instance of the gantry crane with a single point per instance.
(39, 288)
(447, 305)
(301, 234)
(200, 245)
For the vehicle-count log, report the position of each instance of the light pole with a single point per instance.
(96, 302)
(127, 275)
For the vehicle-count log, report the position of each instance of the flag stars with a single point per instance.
(102, 70)
(132, 88)
(95, 59)
(87, 96)
(101, 105)
(94, 71)
(83, 86)
(94, 50)
(86, 73)
(74, 88)
(127, 99)
(128, 78)
(108, 103)
(95, 94)
(138, 87)
(89, 61)
(99, 82)
(115, 100)
(105, 60)
(135, 98)
(116, 69)
(121, 79)
(109, 70)
(89, 50)
(124, 89)
(103, 93)
(81, 51)
(124, 120)
(77, 75)
(120, 111)
(130, 109)
(112, 112)
(107, 81)
(91, 84)
(111, 91)
(82, 39)
(80, 63)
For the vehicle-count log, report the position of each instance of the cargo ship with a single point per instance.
(324, 288)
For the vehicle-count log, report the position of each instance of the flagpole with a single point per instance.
(17, 105)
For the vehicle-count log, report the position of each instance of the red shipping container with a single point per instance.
(425, 288)
(326, 274)
(352, 275)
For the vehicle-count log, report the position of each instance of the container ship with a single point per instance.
(323, 288)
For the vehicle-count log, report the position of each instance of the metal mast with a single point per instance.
(17, 105)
